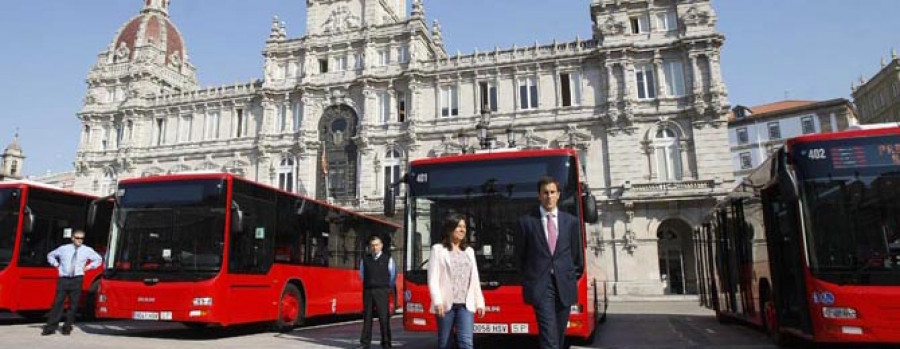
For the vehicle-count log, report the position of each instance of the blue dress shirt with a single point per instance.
(61, 258)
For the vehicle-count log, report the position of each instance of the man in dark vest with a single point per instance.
(378, 274)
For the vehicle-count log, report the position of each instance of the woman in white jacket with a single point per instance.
(454, 285)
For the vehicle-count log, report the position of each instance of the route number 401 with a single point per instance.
(816, 154)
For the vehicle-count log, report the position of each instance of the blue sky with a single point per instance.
(802, 49)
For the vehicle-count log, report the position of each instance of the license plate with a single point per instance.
(491, 328)
(520, 328)
(145, 315)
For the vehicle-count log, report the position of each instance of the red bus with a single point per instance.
(216, 249)
(493, 190)
(34, 220)
(808, 245)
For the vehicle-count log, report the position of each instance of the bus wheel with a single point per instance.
(89, 310)
(770, 321)
(290, 309)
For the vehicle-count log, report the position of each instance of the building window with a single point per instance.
(120, 134)
(646, 81)
(211, 129)
(86, 136)
(391, 169)
(282, 117)
(488, 94)
(342, 63)
(109, 183)
(160, 130)
(666, 21)
(401, 107)
(13, 168)
(449, 101)
(528, 93)
(808, 125)
(668, 155)
(239, 123)
(746, 161)
(298, 116)
(104, 138)
(323, 65)
(287, 172)
(357, 61)
(742, 137)
(185, 128)
(774, 131)
(570, 88)
(384, 107)
(640, 24)
(384, 57)
(674, 71)
(129, 130)
(402, 54)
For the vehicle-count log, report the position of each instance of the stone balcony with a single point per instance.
(671, 190)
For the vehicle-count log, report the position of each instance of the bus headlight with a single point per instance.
(838, 313)
(203, 301)
(415, 308)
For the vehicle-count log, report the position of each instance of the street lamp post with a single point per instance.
(485, 139)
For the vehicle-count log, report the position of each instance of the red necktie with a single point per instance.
(551, 233)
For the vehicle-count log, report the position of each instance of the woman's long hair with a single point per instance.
(449, 225)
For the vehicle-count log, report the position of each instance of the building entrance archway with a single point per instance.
(339, 155)
(677, 267)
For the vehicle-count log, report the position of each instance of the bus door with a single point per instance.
(786, 264)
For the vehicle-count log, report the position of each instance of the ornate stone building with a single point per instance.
(11, 160)
(370, 86)
(878, 99)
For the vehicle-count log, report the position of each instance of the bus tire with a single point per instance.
(89, 311)
(290, 309)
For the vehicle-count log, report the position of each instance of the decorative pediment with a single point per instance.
(696, 16)
(574, 138)
(612, 27)
(533, 141)
(340, 20)
(447, 146)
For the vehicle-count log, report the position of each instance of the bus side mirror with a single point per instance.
(589, 205)
(28, 223)
(237, 218)
(389, 202)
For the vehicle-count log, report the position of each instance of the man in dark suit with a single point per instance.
(548, 249)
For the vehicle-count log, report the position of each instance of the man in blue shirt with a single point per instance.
(71, 260)
(378, 274)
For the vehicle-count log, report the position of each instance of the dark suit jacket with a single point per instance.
(535, 260)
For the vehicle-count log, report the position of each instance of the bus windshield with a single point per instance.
(9, 214)
(493, 194)
(168, 231)
(853, 201)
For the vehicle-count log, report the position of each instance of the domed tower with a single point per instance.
(12, 159)
(147, 57)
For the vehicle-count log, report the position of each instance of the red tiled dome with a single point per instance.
(152, 28)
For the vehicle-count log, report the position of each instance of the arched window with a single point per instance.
(13, 168)
(108, 184)
(391, 163)
(667, 155)
(287, 174)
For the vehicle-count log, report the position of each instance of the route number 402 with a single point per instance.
(816, 154)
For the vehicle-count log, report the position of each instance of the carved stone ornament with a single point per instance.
(695, 16)
(340, 20)
(612, 27)
(175, 59)
(122, 53)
